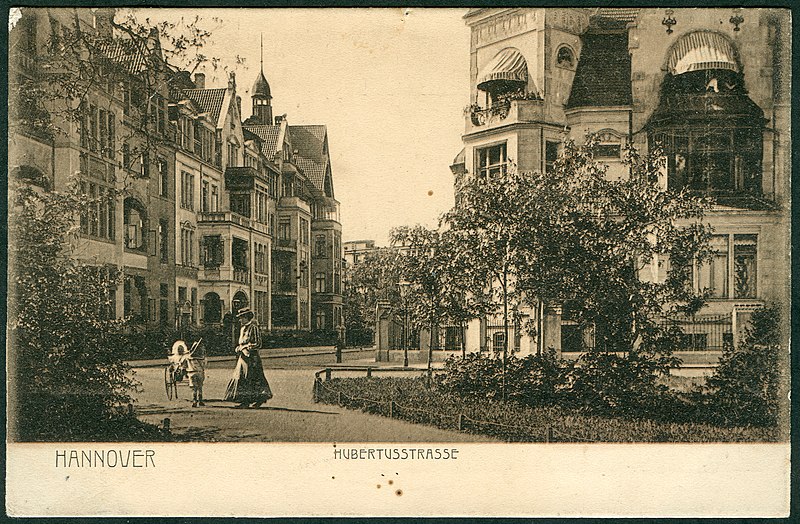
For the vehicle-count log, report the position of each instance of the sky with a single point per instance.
(389, 83)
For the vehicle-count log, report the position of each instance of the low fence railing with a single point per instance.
(325, 393)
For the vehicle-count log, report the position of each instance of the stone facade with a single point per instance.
(611, 72)
(221, 212)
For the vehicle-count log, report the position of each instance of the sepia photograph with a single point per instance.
(382, 251)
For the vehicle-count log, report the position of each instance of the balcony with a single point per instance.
(503, 114)
(240, 177)
(327, 211)
(293, 202)
(241, 275)
(229, 217)
(285, 244)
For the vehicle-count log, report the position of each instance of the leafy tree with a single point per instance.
(439, 283)
(67, 378)
(65, 372)
(574, 237)
(372, 279)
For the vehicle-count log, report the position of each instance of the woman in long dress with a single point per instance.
(248, 386)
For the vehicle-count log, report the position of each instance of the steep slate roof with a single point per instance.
(309, 143)
(313, 170)
(125, 53)
(261, 86)
(210, 100)
(268, 135)
(603, 75)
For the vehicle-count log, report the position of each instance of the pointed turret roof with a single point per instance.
(261, 86)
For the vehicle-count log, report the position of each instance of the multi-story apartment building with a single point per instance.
(306, 255)
(710, 86)
(203, 214)
(118, 147)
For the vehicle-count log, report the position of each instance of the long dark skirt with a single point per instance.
(248, 384)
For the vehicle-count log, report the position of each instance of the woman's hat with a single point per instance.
(244, 312)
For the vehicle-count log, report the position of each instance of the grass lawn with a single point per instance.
(412, 400)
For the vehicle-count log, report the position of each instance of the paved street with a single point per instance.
(291, 416)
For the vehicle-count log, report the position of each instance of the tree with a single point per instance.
(66, 374)
(439, 283)
(107, 86)
(111, 82)
(576, 238)
(372, 279)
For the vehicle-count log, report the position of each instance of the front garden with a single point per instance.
(603, 397)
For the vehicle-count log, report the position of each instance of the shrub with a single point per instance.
(475, 376)
(533, 380)
(744, 388)
(625, 385)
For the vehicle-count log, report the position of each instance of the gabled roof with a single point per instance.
(311, 157)
(210, 100)
(269, 137)
(309, 140)
(603, 75)
(125, 53)
(313, 170)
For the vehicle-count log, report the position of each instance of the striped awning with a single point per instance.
(508, 66)
(702, 50)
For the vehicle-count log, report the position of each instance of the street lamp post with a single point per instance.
(405, 287)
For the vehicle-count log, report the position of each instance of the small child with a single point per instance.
(177, 358)
(196, 368)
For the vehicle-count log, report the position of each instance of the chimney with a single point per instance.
(232, 80)
(200, 80)
(103, 21)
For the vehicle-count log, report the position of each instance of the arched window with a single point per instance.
(565, 57)
(709, 128)
(212, 309)
(239, 301)
(31, 175)
(135, 225)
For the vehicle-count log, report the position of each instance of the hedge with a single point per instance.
(414, 400)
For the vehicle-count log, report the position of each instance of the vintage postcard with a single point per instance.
(399, 262)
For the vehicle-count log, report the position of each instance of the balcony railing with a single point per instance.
(241, 275)
(505, 112)
(224, 216)
(286, 243)
(481, 116)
